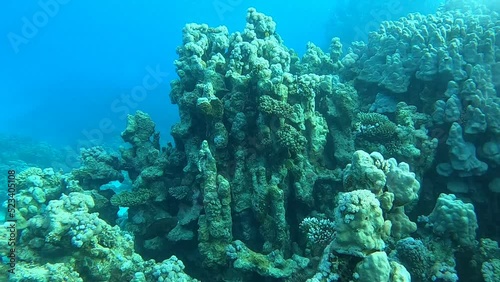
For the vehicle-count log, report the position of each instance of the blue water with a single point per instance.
(69, 73)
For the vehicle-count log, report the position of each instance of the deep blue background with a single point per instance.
(63, 81)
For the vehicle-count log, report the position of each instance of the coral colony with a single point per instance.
(363, 166)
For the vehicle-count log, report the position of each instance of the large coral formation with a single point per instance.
(267, 140)
(359, 224)
(452, 218)
(98, 168)
(215, 226)
(107, 253)
(36, 188)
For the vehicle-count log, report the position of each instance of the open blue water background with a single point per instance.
(60, 84)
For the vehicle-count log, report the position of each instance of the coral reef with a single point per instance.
(66, 228)
(291, 169)
(452, 218)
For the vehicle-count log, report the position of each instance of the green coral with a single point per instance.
(452, 218)
(210, 107)
(143, 158)
(215, 227)
(402, 226)
(291, 139)
(220, 136)
(35, 176)
(359, 223)
(271, 265)
(35, 187)
(131, 198)
(343, 101)
(318, 136)
(491, 270)
(316, 61)
(375, 127)
(363, 173)
(98, 168)
(179, 192)
(272, 106)
(373, 267)
(82, 247)
(139, 129)
(408, 116)
(54, 272)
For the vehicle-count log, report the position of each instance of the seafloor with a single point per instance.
(379, 162)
